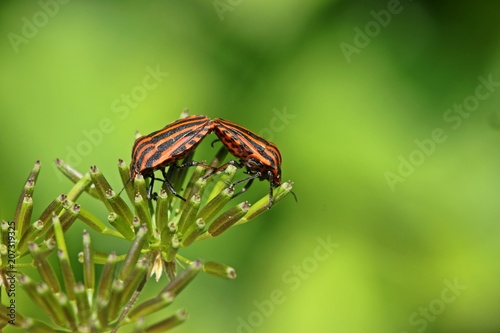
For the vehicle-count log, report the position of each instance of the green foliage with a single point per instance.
(157, 231)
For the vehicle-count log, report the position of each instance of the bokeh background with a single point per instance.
(383, 113)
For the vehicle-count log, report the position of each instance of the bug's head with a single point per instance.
(134, 170)
(275, 176)
(268, 171)
(273, 163)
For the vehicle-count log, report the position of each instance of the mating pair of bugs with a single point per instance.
(165, 147)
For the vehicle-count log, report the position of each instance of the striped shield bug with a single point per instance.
(261, 158)
(166, 146)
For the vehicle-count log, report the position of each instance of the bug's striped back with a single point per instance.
(258, 154)
(173, 142)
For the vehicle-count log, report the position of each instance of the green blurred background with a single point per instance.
(359, 97)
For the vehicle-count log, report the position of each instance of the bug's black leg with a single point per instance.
(222, 167)
(151, 195)
(232, 162)
(194, 163)
(212, 144)
(169, 185)
(190, 164)
(150, 188)
(247, 185)
(270, 178)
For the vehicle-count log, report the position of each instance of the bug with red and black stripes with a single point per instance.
(261, 158)
(165, 147)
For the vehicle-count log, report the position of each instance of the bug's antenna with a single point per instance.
(128, 181)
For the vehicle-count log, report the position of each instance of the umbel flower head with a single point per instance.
(157, 230)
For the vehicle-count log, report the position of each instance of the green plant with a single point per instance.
(157, 232)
